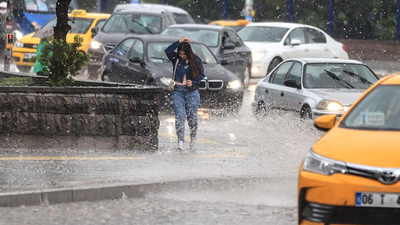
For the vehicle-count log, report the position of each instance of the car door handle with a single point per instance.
(282, 93)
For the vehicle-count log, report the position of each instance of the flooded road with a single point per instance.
(244, 171)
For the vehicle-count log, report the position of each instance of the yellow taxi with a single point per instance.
(82, 24)
(351, 174)
(234, 24)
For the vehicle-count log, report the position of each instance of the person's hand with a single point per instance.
(184, 39)
(189, 83)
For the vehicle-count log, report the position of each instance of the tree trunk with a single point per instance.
(62, 27)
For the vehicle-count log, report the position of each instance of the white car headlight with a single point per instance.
(95, 44)
(257, 56)
(18, 44)
(321, 165)
(329, 105)
(234, 84)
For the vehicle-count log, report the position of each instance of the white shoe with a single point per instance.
(181, 145)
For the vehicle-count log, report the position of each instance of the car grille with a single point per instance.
(374, 173)
(351, 215)
(108, 47)
(211, 84)
(33, 46)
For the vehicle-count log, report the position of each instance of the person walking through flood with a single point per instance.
(185, 96)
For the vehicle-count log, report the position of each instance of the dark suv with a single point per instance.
(129, 19)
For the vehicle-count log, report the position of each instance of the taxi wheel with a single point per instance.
(24, 69)
(306, 113)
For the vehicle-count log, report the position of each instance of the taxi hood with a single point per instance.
(362, 147)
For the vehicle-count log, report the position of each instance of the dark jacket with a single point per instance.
(184, 68)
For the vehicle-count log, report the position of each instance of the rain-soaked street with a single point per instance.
(243, 172)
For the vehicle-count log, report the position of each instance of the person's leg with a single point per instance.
(192, 106)
(179, 109)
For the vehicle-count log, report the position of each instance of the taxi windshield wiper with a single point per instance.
(338, 80)
(362, 79)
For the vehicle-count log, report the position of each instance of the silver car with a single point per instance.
(313, 86)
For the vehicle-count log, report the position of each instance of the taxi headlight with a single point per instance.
(18, 44)
(330, 105)
(257, 56)
(321, 165)
(95, 44)
(234, 84)
(18, 34)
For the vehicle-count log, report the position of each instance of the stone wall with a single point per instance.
(79, 117)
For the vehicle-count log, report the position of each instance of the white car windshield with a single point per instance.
(338, 75)
(207, 37)
(379, 110)
(78, 25)
(156, 53)
(262, 33)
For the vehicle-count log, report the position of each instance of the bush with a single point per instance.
(64, 60)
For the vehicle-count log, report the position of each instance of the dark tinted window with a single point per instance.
(315, 36)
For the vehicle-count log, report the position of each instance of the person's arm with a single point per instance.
(170, 51)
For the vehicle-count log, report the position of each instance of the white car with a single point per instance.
(313, 86)
(273, 42)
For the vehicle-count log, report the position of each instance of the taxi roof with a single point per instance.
(83, 14)
(391, 79)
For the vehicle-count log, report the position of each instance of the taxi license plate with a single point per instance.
(28, 55)
(374, 199)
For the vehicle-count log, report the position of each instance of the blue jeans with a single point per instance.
(185, 104)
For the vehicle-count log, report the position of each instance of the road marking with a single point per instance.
(39, 158)
(187, 138)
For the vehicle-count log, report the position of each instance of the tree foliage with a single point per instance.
(66, 63)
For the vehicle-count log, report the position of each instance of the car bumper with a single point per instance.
(332, 200)
(21, 57)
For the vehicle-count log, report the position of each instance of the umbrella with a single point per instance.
(48, 31)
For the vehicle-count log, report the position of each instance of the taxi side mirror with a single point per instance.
(325, 122)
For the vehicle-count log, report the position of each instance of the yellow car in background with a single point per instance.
(234, 24)
(82, 24)
(351, 174)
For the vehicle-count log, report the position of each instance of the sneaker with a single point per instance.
(181, 145)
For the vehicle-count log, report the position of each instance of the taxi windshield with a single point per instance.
(379, 110)
(78, 25)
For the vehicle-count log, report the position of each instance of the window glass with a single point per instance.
(183, 18)
(234, 38)
(373, 113)
(297, 34)
(122, 49)
(156, 53)
(295, 73)
(137, 50)
(338, 75)
(100, 23)
(45, 5)
(315, 36)
(78, 25)
(133, 23)
(262, 34)
(279, 75)
(207, 37)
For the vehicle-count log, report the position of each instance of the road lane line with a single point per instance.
(38, 158)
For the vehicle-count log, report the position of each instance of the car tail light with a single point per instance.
(345, 48)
